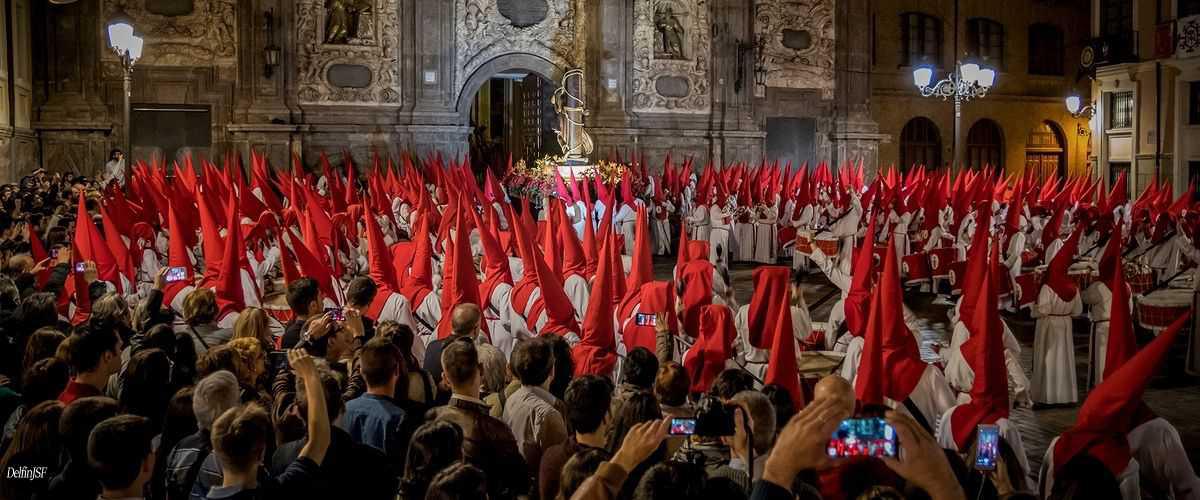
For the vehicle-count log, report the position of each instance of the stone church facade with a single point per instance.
(730, 80)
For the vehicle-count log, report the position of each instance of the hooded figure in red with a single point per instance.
(596, 352)
(696, 284)
(706, 359)
(891, 365)
(770, 325)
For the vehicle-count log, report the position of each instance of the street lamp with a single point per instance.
(128, 48)
(968, 81)
(1077, 109)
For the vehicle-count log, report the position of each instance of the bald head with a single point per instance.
(464, 319)
(836, 388)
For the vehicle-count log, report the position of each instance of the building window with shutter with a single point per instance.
(1193, 103)
(985, 41)
(1045, 50)
(1120, 110)
(921, 39)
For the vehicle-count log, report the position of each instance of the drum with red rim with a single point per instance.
(940, 260)
(1084, 273)
(957, 276)
(1157, 310)
(915, 267)
(276, 306)
(804, 242)
(1139, 277)
(878, 253)
(827, 244)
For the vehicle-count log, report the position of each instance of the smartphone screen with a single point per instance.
(989, 446)
(80, 267)
(683, 426)
(859, 437)
(54, 253)
(335, 313)
(277, 358)
(178, 273)
(646, 320)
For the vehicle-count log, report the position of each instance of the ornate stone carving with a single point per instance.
(691, 64)
(372, 47)
(206, 36)
(798, 43)
(483, 33)
(344, 18)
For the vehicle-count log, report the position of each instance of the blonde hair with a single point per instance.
(248, 351)
(252, 323)
(200, 307)
(111, 307)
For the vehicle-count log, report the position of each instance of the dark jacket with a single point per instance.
(350, 470)
(489, 445)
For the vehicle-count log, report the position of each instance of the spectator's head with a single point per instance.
(213, 395)
(332, 389)
(781, 400)
(36, 439)
(44, 381)
(460, 366)
(252, 323)
(304, 297)
(434, 446)
(78, 420)
(564, 365)
(180, 419)
(144, 318)
(251, 358)
(639, 368)
(41, 345)
(672, 384)
(580, 467)
(120, 452)
(361, 292)
(95, 350)
(838, 389)
(672, 480)
(111, 310)
(730, 382)
(380, 363)
(638, 407)
(184, 355)
(402, 336)
(762, 418)
(223, 357)
(588, 401)
(465, 319)
(38, 310)
(200, 307)
(240, 437)
(459, 481)
(146, 385)
(533, 361)
(495, 368)
(9, 294)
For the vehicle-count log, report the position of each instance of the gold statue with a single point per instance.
(342, 17)
(568, 102)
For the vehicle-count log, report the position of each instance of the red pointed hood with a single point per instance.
(681, 251)
(655, 297)
(83, 301)
(697, 284)
(891, 363)
(212, 244)
(984, 352)
(770, 283)
(230, 294)
(1110, 260)
(286, 264)
(460, 284)
(596, 352)
(862, 279)
(92, 246)
(116, 246)
(1057, 277)
(1122, 344)
(314, 267)
(382, 272)
(496, 269)
(776, 327)
(1112, 409)
(642, 269)
(38, 251)
(706, 358)
(560, 314)
(177, 254)
(574, 261)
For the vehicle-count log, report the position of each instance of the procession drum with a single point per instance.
(958, 274)
(804, 242)
(828, 243)
(1157, 310)
(878, 254)
(940, 260)
(1139, 277)
(915, 268)
(1084, 273)
(278, 312)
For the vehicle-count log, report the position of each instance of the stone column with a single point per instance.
(855, 135)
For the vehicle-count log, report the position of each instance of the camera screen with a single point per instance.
(80, 267)
(989, 446)
(646, 320)
(176, 274)
(683, 426)
(335, 313)
(856, 437)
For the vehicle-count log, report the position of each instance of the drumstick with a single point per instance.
(1151, 247)
(1166, 282)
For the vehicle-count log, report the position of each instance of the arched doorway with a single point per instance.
(1045, 151)
(920, 144)
(506, 101)
(985, 145)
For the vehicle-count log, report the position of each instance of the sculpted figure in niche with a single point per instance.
(669, 42)
(341, 19)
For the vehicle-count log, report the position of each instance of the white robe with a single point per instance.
(625, 222)
(753, 359)
(577, 290)
(398, 309)
(427, 316)
(765, 237)
(505, 326)
(746, 240)
(1130, 484)
(961, 376)
(1099, 301)
(1163, 464)
(1054, 349)
(662, 227)
(697, 221)
(719, 236)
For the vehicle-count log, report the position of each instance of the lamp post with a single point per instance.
(128, 48)
(1077, 109)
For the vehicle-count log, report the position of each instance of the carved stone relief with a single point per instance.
(798, 43)
(489, 28)
(369, 41)
(205, 35)
(672, 44)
